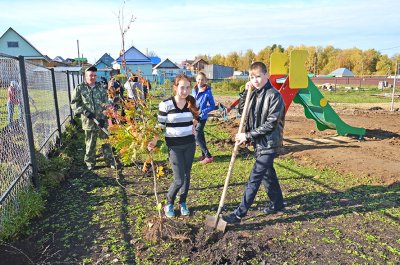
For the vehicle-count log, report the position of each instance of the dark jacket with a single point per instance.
(266, 132)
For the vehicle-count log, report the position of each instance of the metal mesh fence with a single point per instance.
(62, 97)
(42, 106)
(14, 149)
(19, 135)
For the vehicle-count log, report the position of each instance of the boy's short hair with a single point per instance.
(259, 65)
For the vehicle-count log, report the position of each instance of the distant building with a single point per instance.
(136, 61)
(342, 72)
(186, 64)
(240, 75)
(165, 70)
(216, 71)
(198, 65)
(12, 43)
(154, 60)
(59, 59)
(104, 67)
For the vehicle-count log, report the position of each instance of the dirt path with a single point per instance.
(378, 155)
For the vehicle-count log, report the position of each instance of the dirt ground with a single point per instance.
(377, 155)
(294, 237)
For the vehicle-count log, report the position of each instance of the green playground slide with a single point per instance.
(316, 107)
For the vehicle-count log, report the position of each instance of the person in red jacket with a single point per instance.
(14, 97)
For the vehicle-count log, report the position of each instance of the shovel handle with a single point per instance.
(102, 128)
(235, 149)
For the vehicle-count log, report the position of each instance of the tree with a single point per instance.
(384, 66)
(217, 59)
(264, 54)
(247, 59)
(232, 60)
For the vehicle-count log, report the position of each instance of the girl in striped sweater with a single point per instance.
(178, 117)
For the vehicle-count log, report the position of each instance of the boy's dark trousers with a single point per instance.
(262, 171)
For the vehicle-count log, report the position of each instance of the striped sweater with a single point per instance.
(178, 123)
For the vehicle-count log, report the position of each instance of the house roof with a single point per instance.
(341, 72)
(155, 59)
(166, 64)
(67, 68)
(134, 56)
(106, 59)
(59, 59)
(41, 56)
(198, 60)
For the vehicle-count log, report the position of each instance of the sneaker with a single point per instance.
(169, 210)
(232, 219)
(90, 167)
(201, 158)
(207, 160)
(271, 209)
(184, 209)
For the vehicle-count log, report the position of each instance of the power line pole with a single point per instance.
(79, 60)
(394, 86)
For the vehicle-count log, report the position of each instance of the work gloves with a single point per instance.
(89, 114)
(102, 122)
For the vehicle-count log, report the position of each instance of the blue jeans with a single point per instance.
(181, 160)
(200, 138)
(262, 172)
(10, 108)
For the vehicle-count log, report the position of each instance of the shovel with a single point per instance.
(102, 128)
(216, 222)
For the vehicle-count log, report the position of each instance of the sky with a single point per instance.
(181, 30)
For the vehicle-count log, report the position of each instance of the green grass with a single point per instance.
(359, 96)
(343, 214)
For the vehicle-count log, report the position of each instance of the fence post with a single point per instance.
(69, 95)
(73, 80)
(28, 122)
(53, 77)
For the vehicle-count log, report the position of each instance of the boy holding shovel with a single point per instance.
(264, 128)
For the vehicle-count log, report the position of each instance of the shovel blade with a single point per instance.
(212, 221)
(216, 223)
(221, 225)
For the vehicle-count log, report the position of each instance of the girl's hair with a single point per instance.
(202, 74)
(192, 106)
(181, 77)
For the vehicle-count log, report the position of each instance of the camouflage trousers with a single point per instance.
(90, 154)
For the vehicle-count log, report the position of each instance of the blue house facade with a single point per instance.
(104, 67)
(137, 62)
(165, 70)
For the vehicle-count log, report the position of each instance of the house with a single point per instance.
(165, 70)
(104, 67)
(216, 71)
(12, 43)
(342, 72)
(154, 60)
(136, 62)
(198, 65)
(240, 75)
(186, 64)
(57, 61)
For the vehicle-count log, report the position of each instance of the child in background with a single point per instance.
(205, 100)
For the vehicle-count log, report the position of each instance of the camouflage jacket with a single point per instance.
(85, 99)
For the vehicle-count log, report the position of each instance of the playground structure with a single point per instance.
(297, 87)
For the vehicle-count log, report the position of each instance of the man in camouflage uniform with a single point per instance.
(89, 100)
